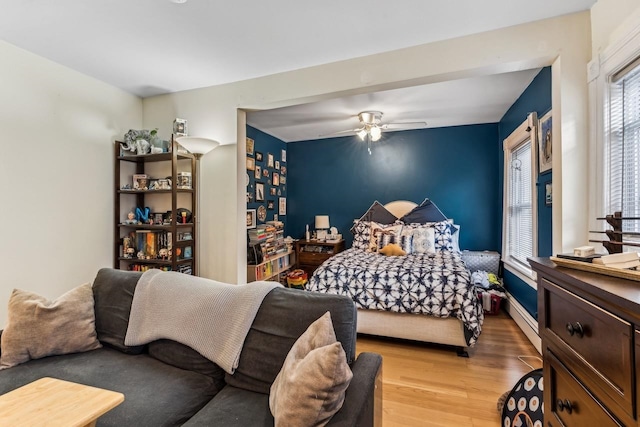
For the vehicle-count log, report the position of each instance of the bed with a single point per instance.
(420, 296)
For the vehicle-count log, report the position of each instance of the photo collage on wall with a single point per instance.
(266, 182)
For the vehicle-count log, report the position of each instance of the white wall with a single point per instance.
(56, 173)
(608, 18)
(211, 112)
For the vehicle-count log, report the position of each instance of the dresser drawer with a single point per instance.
(570, 403)
(600, 342)
(313, 258)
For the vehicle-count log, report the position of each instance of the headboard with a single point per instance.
(400, 207)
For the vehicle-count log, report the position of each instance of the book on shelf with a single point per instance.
(145, 267)
(588, 258)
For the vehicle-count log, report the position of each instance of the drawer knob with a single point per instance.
(575, 329)
(564, 405)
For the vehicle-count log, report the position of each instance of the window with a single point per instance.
(519, 220)
(622, 146)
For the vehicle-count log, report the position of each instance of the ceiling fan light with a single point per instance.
(376, 133)
(362, 134)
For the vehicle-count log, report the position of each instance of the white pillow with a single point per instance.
(424, 240)
(382, 235)
(455, 237)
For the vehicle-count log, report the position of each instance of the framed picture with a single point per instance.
(259, 192)
(283, 156)
(283, 180)
(258, 156)
(283, 170)
(249, 197)
(251, 218)
(277, 165)
(545, 126)
(258, 172)
(276, 179)
(269, 160)
(180, 127)
(282, 206)
(250, 144)
(548, 195)
(272, 191)
(265, 172)
(271, 204)
(251, 163)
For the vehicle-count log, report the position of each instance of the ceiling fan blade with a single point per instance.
(402, 125)
(341, 132)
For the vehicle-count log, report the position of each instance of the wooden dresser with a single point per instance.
(311, 253)
(590, 329)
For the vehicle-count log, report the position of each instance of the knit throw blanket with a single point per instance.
(211, 317)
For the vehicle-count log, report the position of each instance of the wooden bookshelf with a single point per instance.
(271, 268)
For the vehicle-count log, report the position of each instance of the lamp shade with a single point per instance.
(197, 145)
(322, 222)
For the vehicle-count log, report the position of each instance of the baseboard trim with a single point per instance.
(524, 320)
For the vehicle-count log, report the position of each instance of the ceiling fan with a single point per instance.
(371, 127)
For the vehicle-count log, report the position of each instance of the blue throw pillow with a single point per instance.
(427, 211)
(377, 213)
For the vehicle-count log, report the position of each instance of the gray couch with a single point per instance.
(168, 384)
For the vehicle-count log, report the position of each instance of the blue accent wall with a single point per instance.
(537, 97)
(267, 144)
(456, 167)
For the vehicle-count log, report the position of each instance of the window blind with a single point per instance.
(520, 221)
(623, 153)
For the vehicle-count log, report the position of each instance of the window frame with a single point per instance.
(525, 133)
(620, 53)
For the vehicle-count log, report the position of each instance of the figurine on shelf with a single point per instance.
(127, 247)
(140, 255)
(163, 253)
(131, 218)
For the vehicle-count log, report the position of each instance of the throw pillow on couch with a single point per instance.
(38, 327)
(311, 385)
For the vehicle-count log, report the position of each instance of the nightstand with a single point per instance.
(311, 253)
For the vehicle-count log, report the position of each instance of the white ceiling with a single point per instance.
(151, 47)
(451, 103)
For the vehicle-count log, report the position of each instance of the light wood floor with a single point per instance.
(427, 385)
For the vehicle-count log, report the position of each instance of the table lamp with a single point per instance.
(322, 225)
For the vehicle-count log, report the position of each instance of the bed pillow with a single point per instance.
(382, 235)
(406, 239)
(443, 234)
(362, 234)
(424, 240)
(427, 211)
(455, 237)
(310, 388)
(376, 213)
(38, 327)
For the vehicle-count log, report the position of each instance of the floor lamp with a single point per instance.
(198, 147)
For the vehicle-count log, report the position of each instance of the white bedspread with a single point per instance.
(211, 317)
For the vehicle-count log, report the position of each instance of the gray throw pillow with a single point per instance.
(311, 385)
(38, 327)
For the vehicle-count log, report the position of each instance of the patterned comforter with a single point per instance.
(437, 285)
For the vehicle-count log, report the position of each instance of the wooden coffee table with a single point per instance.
(53, 402)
